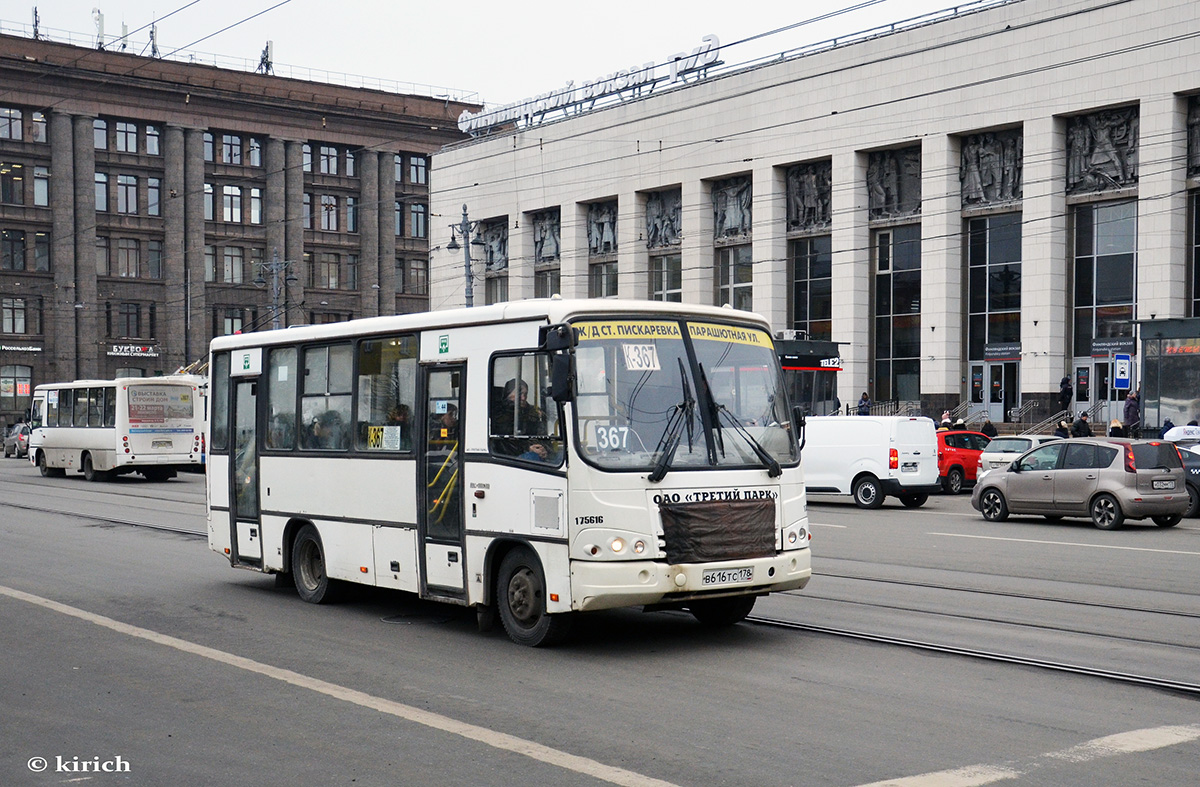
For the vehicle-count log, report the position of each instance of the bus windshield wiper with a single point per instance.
(681, 417)
(772, 465)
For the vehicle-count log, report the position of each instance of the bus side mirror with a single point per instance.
(556, 338)
(560, 377)
(798, 424)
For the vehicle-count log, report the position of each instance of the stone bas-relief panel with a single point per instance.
(809, 196)
(602, 228)
(547, 235)
(1193, 137)
(992, 167)
(894, 183)
(1102, 151)
(495, 244)
(731, 200)
(664, 212)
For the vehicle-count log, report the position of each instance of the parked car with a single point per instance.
(1190, 454)
(16, 442)
(1003, 450)
(958, 459)
(870, 457)
(1108, 479)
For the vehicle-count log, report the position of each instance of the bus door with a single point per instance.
(440, 482)
(243, 487)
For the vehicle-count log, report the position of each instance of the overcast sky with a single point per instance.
(502, 51)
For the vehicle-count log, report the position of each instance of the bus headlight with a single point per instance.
(796, 535)
(612, 544)
(617, 545)
(639, 547)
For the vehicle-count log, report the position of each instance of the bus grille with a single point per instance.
(718, 530)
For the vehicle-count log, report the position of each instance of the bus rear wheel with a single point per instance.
(521, 597)
(308, 568)
(722, 611)
(91, 473)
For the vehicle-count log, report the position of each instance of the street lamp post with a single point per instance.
(276, 268)
(465, 228)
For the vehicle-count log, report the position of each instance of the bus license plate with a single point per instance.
(728, 576)
(1164, 484)
(161, 444)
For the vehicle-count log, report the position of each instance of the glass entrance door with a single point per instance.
(441, 480)
(1003, 390)
(243, 486)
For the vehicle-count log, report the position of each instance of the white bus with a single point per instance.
(102, 428)
(531, 459)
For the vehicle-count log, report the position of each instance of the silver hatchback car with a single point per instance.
(1108, 479)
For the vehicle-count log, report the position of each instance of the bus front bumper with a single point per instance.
(608, 585)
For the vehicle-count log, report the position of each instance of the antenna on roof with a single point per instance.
(266, 62)
(98, 18)
(35, 24)
(124, 36)
(153, 40)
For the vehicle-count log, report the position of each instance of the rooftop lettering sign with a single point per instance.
(572, 100)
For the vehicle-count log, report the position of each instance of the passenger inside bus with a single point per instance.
(327, 431)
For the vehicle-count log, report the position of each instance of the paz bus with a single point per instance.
(531, 460)
(102, 428)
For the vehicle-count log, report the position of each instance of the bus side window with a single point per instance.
(282, 374)
(110, 407)
(52, 408)
(386, 393)
(96, 407)
(522, 420)
(219, 389)
(325, 405)
(81, 406)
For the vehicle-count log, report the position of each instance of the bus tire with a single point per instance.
(90, 472)
(521, 598)
(722, 611)
(46, 470)
(867, 493)
(308, 568)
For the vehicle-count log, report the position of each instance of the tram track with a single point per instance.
(107, 520)
(1184, 687)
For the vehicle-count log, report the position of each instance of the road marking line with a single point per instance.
(1068, 544)
(824, 524)
(498, 740)
(1110, 746)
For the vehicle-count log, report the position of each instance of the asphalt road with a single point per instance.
(140, 651)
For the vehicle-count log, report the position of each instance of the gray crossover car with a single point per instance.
(1108, 479)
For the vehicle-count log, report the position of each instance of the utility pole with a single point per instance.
(465, 228)
(279, 282)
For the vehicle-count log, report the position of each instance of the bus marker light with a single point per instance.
(226, 550)
(363, 569)
(639, 547)
(792, 537)
(592, 549)
(554, 597)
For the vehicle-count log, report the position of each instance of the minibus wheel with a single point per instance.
(521, 597)
(91, 473)
(308, 568)
(722, 611)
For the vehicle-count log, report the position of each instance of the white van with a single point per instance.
(871, 457)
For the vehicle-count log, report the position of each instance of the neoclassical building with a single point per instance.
(148, 205)
(974, 208)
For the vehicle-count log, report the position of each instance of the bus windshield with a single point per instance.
(645, 393)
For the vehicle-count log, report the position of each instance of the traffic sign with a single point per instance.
(1122, 371)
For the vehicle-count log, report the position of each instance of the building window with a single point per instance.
(21, 316)
(1196, 253)
(12, 183)
(496, 289)
(126, 136)
(812, 286)
(351, 214)
(10, 123)
(231, 149)
(993, 283)
(602, 280)
(210, 263)
(256, 206)
(325, 272)
(419, 220)
(734, 277)
(351, 164)
(210, 153)
(16, 384)
(154, 259)
(897, 254)
(102, 263)
(329, 212)
(128, 321)
(666, 278)
(547, 282)
(235, 258)
(228, 320)
(41, 252)
(254, 152)
(100, 134)
(307, 221)
(210, 203)
(306, 157)
(1105, 272)
(127, 196)
(231, 204)
(418, 169)
(350, 280)
(398, 160)
(153, 196)
(399, 214)
(152, 141)
(12, 250)
(127, 258)
(39, 127)
(417, 280)
(101, 192)
(328, 160)
(41, 187)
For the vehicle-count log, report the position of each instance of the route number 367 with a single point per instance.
(612, 438)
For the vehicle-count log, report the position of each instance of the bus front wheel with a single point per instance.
(308, 568)
(722, 611)
(521, 597)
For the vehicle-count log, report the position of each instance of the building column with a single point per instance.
(198, 330)
(770, 253)
(520, 256)
(633, 258)
(386, 223)
(942, 363)
(368, 234)
(177, 351)
(573, 258)
(60, 332)
(88, 323)
(697, 243)
(852, 275)
(1162, 258)
(1045, 259)
(293, 235)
